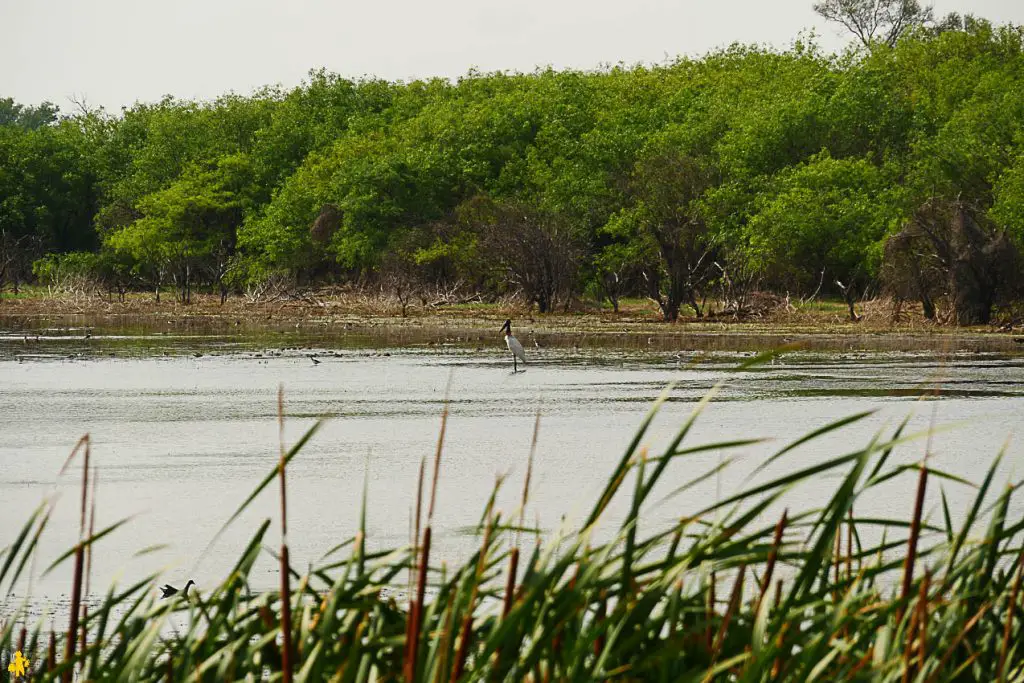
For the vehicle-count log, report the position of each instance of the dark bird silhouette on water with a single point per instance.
(169, 590)
(315, 360)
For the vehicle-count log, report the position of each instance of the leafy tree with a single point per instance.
(826, 218)
(47, 194)
(1008, 210)
(27, 117)
(749, 167)
(190, 226)
(665, 188)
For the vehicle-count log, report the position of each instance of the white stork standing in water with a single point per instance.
(514, 346)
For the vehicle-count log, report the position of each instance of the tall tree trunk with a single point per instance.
(670, 307)
(849, 291)
(678, 292)
(927, 306)
(697, 311)
(543, 303)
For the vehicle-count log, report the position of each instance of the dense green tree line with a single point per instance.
(897, 167)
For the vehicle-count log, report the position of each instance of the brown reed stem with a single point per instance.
(849, 545)
(414, 558)
(908, 647)
(734, 604)
(419, 507)
(602, 612)
(82, 641)
(446, 639)
(413, 641)
(862, 662)
(1010, 608)
(510, 582)
(513, 558)
(286, 596)
(417, 608)
(556, 642)
(88, 560)
(465, 637)
(922, 619)
(915, 533)
(437, 458)
(51, 652)
(286, 618)
(709, 634)
(956, 643)
(777, 664)
(76, 585)
(837, 563)
(773, 556)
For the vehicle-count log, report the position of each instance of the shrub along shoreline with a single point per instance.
(874, 314)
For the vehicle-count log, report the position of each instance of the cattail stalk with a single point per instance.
(922, 620)
(1010, 609)
(781, 639)
(286, 597)
(76, 585)
(414, 559)
(413, 638)
(465, 637)
(773, 556)
(709, 633)
(88, 560)
(849, 545)
(602, 610)
(734, 604)
(915, 533)
(51, 652)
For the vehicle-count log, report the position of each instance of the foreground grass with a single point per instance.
(719, 595)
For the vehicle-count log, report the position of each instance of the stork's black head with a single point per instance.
(507, 327)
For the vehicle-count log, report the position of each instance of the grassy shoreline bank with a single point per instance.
(819, 325)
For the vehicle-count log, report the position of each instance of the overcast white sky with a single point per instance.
(115, 52)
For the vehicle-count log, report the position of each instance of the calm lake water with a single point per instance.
(180, 439)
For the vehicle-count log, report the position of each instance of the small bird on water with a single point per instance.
(514, 346)
(168, 590)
